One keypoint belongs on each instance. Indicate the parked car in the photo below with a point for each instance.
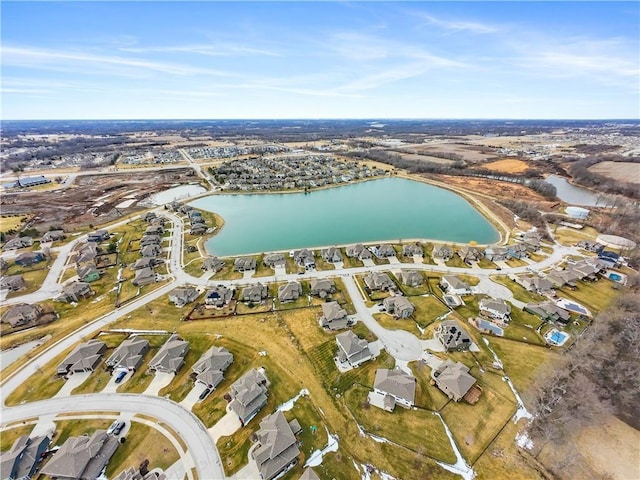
(204, 394)
(119, 427)
(121, 376)
(115, 426)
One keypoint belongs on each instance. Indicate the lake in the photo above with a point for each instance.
(575, 195)
(389, 209)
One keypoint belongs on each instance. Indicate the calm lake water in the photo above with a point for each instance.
(575, 195)
(389, 209)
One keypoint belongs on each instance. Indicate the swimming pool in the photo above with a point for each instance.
(616, 277)
(556, 337)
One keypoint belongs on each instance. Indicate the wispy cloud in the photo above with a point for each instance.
(212, 50)
(457, 25)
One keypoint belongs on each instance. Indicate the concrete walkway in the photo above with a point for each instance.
(160, 380)
(74, 381)
(193, 396)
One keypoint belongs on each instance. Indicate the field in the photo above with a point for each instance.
(507, 166)
(619, 171)
(11, 222)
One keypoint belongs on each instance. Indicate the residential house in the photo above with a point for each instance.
(98, 236)
(331, 255)
(391, 388)
(334, 317)
(21, 461)
(154, 230)
(496, 253)
(322, 287)
(309, 474)
(213, 264)
(147, 217)
(517, 250)
(452, 284)
(145, 276)
(531, 241)
(17, 243)
(181, 296)
(150, 251)
(84, 358)
(86, 253)
(150, 240)
(249, 395)
(398, 306)
(383, 251)
(82, 458)
(453, 379)
(535, 284)
(352, 350)
(29, 259)
(170, 357)
(567, 277)
(209, 369)
(442, 252)
(52, 236)
(244, 264)
(412, 250)
(495, 308)
(411, 278)
(289, 292)
(453, 337)
(13, 283)
(277, 448)
(22, 314)
(218, 296)
(469, 254)
(378, 281)
(146, 262)
(274, 260)
(358, 251)
(304, 258)
(4, 265)
(129, 354)
(88, 273)
(255, 293)
(590, 246)
(74, 292)
(198, 229)
(548, 311)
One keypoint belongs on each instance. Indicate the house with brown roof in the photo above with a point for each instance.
(411, 278)
(443, 252)
(129, 354)
(84, 358)
(378, 281)
(398, 306)
(249, 395)
(453, 337)
(13, 283)
(358, 251)
(412, 250)
(331, 255)
(170, 357)
(391, 388)
(289, 292)
(82, 458)
(209, 369)
(453, 379)
(333, 317)
(352, 351)
(277, 447)
(322, 287)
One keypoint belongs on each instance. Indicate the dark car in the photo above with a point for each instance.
(118, 428)
(120, 376)
(204, 394)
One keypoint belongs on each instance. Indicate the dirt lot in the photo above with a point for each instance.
(493, 188)
(469, 153)
(93, 199)
(620, 171)
(507, 165)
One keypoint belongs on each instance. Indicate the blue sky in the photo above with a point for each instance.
(119, 60)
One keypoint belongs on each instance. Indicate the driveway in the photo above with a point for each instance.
(160, 380)
(193, 396)
(227, 425)
(250, 472)
(74, 381)
(112, 386)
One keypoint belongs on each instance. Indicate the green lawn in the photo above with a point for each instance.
(486, 263)
(387, 321)
(519, 292)
(427, 396)
(349, 262)
(427, 309)
(456, 261)
(227, 272)
(596, 296)
(9, 436)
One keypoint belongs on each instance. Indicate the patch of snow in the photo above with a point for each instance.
(497, 362)
(288, 405)
(523, 441)
(262, 353)
(522, 411)
(380, 439)
(461, 467)
(315, 458)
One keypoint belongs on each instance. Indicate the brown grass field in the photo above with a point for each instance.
(507, 165)
(619, 171)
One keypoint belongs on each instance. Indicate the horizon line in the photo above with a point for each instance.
(311, 119)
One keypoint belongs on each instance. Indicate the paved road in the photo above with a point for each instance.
(200, 446)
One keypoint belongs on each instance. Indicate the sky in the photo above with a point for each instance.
(272, 60)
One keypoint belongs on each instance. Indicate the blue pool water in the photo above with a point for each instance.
(615, 277)
(558, 337)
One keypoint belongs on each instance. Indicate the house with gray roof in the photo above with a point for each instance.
(146, 262)
(170, 357)
(218, 296)
(412, 249)
(154, 230)
(249, 395)
(129, 354)
(452, 284)
(496, 253)
(82, 458)
(517, 250)
(322, 287)
(548, 311)
(331, 255)
(334, 317)
(21, 461)
(277, 448)
(411, 278)
(453, 379)
(150, 240)
(358, 251)
(255, 293)
(52, 236)
(88, 273)
(28, 259)
(198, 229)
(17, 243)
(378, 281)
(182, 296)
(13, 283)
(352, 350)
(74, 292)
(495, 308)
(145, 276)
(209, 369)
(86, 253)
(274, 260)
(150, 251)
(304, 258)
(443, 252)
(4, 265)
(289, 292)
(213, 264)
(398, 306)
(469, 254)
(309, 474)
(244, 264)
(22, 314)
(98, 236)
(535, 284)
(383, 251)
(453, 337)
(84, 358)
(393, 387)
